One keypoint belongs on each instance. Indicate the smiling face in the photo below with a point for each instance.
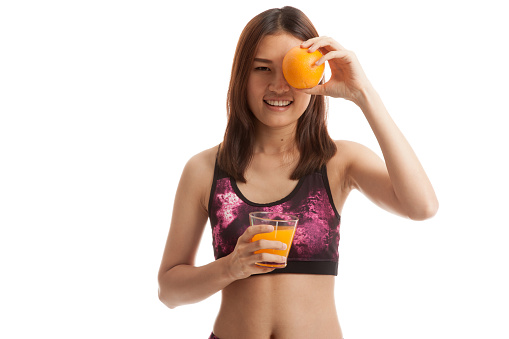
(273, 102)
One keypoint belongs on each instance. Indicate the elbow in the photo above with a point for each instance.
(165, 292)
(166, 300)
(425, 211)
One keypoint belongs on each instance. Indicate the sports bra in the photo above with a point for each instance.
(315, 244)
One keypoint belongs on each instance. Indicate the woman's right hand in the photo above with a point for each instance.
(242, 261)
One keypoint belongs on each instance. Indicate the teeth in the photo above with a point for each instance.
(278, 102)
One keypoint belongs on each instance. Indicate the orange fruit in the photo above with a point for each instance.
(299, 68)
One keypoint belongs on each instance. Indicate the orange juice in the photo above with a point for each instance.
(281, 233)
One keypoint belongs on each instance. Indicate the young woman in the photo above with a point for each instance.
(277, 156)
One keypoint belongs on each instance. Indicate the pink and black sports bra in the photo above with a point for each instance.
(315, 244)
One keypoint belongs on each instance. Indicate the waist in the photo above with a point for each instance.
(278, 305)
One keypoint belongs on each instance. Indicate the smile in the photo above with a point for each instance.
(278, 103)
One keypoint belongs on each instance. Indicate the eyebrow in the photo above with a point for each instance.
(267, 61)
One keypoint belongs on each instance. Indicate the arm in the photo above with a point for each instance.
(180, 282)
(399, 185)
(408, 190)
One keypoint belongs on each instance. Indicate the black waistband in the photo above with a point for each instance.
(309, 267)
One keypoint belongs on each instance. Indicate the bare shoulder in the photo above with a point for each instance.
(349, 155)
(198, 174)
(347, 152)
(349, 146)
(203, 162)
(338, 165)
(350, 152)
(189, 210)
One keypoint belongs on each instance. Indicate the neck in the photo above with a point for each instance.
(278, 147)
(275, 141)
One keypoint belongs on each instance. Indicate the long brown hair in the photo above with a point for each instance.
(313, 141)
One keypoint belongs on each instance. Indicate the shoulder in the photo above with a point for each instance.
(347, 153)
(203, 162)
(198, 174)
(358, 164)
(347, 145)
(348, 156)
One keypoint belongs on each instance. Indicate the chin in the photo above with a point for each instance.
(278, 123)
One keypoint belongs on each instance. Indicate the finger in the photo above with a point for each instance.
(309, 42)
(317, 90)
(264, 244)
(321, 42)
(251, 231)
(268, 257)
(332, 55)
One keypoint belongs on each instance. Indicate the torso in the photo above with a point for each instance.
(274, 306)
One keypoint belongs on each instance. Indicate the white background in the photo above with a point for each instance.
(103, 102)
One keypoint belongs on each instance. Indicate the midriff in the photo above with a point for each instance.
(279, 306)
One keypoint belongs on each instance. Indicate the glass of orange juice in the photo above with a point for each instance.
(284, 229)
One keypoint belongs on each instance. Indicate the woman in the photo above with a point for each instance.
(277, 156)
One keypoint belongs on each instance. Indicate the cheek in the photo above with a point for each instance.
(254, 93)
(302, 101)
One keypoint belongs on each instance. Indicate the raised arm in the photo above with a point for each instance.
(399, 185)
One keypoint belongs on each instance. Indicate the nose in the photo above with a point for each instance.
(278, 83)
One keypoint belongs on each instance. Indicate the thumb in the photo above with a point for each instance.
(317, 90)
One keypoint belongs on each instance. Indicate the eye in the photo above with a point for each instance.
(262, 68)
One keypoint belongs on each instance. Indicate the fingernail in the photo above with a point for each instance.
(284, 246)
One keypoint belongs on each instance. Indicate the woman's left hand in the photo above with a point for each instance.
(347, 80)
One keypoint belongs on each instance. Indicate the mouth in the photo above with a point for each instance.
(278, 103)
